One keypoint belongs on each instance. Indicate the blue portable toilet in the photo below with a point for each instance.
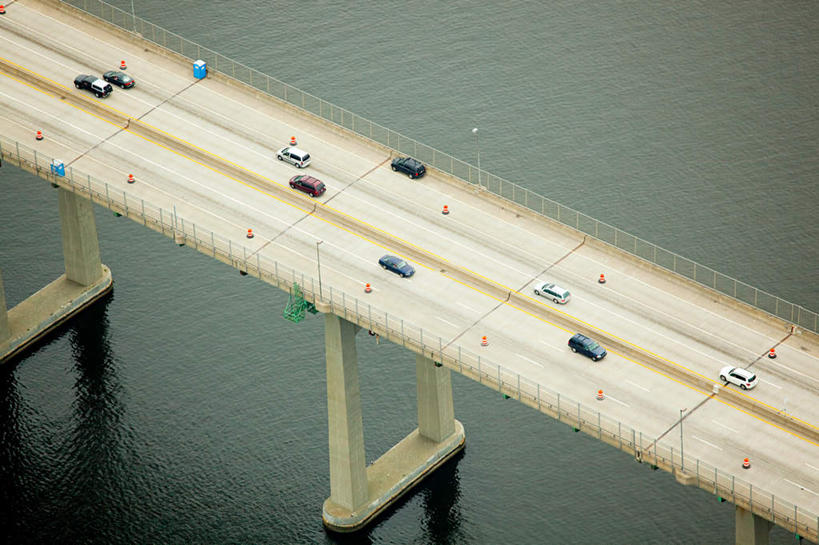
(57, 167)
(200, 69)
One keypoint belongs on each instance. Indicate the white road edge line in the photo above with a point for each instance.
(447, 321)
(772, 384)
(618, 401)
(638, 386)
(720, 424)
(801, 487)
(812, 467)
(529, 360)
(706, 442)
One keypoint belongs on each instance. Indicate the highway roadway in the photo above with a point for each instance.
(476, 267)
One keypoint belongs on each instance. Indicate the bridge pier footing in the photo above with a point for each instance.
(358, 494)
(751, 529)
(85, 280)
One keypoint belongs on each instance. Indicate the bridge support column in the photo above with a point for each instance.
(751, 529)
(85, 280)
(348, 477)
(359, 493)
(81, 250)
(436, 415)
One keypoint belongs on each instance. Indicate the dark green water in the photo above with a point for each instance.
(184, 409)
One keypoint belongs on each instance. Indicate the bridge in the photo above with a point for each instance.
(202, 156)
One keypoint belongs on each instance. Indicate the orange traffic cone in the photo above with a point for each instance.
(122, 65)
(292, 140)
(484, 342)
(445, 211)
(746, 464)
(602, 279)
(250, 233)
(600, 396)
(367, 288)
(772, 353)
(2, 9)
(39, 135)
(131, 179)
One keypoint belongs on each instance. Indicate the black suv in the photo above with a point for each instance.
(93, 84)
(587, 347)
(409, 166)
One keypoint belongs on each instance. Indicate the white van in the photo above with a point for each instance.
(294, 156)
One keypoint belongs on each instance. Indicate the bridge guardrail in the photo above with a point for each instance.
(703, 275)
(507, 382)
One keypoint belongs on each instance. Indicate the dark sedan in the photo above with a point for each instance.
(119, 78)
(397, 265)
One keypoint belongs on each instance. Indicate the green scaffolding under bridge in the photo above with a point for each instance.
(297, 306)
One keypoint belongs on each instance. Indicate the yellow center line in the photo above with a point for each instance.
(403, 241)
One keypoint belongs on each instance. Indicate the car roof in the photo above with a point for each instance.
(744, 372)
(100, 82)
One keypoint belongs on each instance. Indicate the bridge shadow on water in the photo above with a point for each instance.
(63, 479)
(439, 494)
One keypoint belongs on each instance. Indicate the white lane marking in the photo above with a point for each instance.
(706, 442)
(651, 288)
(467, 307)
(529, 360)
(618, 401)
(638, 386)
(801, 487)
(447, 321)
(721, 425)
(771, 384)
(812, 467)
(794, 371)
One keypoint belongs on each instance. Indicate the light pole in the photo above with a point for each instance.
(682, 453)
(478, 151)
(318, 262)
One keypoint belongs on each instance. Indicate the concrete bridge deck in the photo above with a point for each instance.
(216, 167)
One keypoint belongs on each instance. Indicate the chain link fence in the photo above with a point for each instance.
(399, 331)
(771, 304)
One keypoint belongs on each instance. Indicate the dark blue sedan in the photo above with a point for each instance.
(397, 265)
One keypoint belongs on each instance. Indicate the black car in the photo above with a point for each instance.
(119, 78)
(409, 166)
(587, 347)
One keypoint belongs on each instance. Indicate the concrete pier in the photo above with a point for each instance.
(85, 280)
(751, 529)
(359, 493)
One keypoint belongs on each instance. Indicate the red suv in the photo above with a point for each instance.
(312, 186)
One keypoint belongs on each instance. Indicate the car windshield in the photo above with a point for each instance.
(591, 345)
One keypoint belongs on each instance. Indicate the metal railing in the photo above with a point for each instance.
(399, 331)
(705, 276)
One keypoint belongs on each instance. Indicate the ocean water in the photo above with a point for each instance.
(184, 409)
